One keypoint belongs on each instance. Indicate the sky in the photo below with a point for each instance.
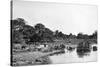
(68, 18)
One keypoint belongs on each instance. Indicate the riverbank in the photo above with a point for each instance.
(38, 56)
(33, 58)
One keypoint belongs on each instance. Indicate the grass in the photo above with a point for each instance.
(35, 57)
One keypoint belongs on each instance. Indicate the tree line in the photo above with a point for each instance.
(24, 33)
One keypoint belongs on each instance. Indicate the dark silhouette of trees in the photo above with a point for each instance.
(82, 36)
(23, 33)
(39, 26)
(85, 36)
(71, 36)
(17, 23)
(43, 32)
(17, 26)
(28, 32)
(94, 35)
(79, 35)
(59, 34)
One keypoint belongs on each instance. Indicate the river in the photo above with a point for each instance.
(72, 57)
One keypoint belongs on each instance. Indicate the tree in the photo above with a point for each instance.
(47, 35)
(95, 35)
(80, 36)
(43, 32)
(28, 32)
(17, 23)
(39, 26)
(16, 27)
(59, 34)
(71, 36)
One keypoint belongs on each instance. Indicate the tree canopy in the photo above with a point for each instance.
(24, 33)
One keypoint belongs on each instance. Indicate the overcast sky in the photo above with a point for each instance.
(68, 18)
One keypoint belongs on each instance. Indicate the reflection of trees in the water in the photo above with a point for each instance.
(83, 49)
(82, 54)
(94, 48)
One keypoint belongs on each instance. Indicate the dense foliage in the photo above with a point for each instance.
(26, 34)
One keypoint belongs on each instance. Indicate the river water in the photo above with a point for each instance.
(72, 57)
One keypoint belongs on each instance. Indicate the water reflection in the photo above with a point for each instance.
(94, 48)
(72, 55)
(83, 52)
(84, 48)
(81, 55)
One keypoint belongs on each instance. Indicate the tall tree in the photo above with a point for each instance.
(16, 27)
